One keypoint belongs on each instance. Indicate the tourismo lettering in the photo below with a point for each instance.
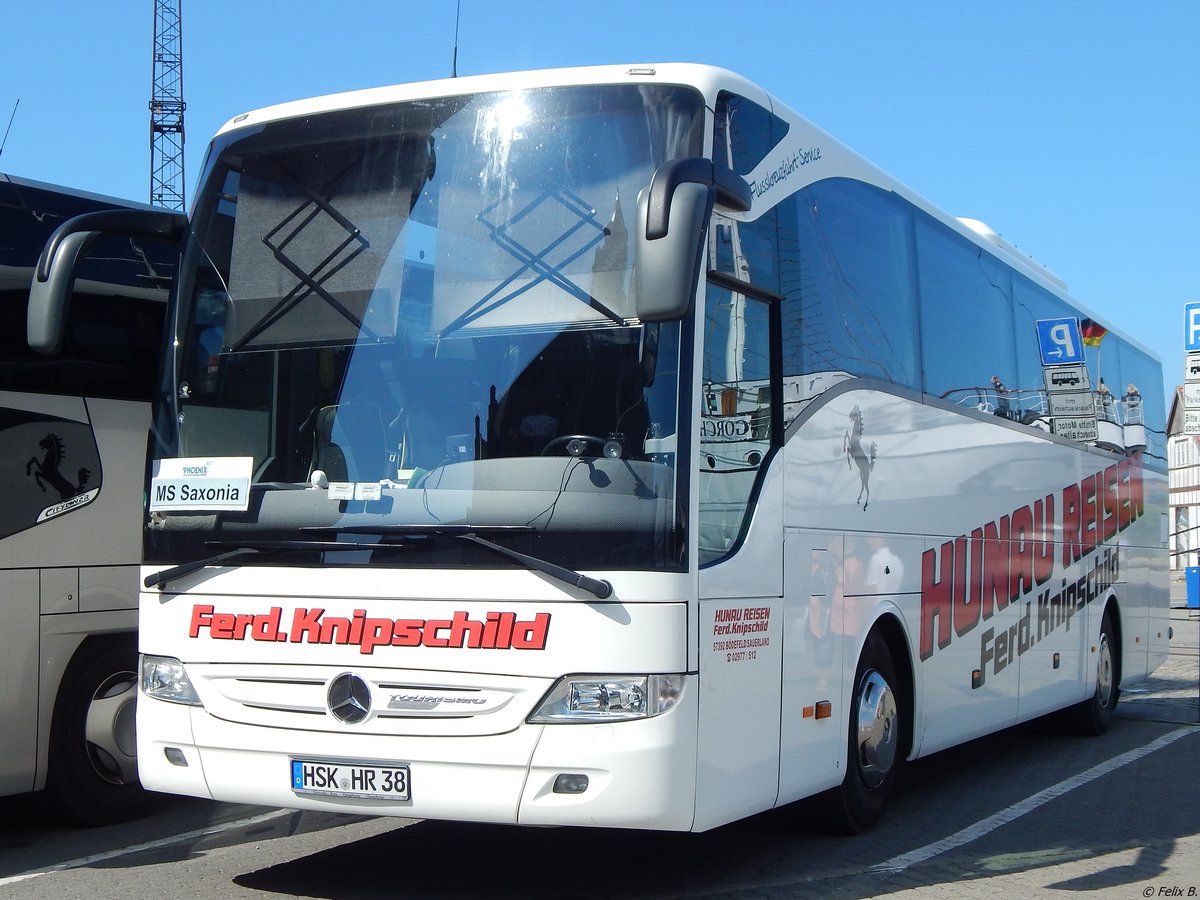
(496, 631)
(970, 578)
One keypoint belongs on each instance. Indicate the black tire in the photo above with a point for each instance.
(875, 743)
(92, 778)
(1093, 715)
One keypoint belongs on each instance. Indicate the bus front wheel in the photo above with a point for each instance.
(92, 772)
(875, 751)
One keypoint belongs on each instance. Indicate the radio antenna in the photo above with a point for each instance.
(9, 128)
(454, 60)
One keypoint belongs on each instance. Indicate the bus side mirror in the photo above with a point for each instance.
(672, 222)
(54, 277)
(52, 284)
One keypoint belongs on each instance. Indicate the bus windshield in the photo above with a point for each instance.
(414, 319)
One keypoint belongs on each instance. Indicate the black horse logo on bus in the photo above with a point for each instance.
(857, 454)
(47, 470)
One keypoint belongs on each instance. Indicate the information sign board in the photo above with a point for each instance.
(1191, 395)
(1192, 369)
(1066, 378)
(1080, 428)
(1077, 403)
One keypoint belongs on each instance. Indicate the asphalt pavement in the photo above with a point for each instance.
(1136, 860)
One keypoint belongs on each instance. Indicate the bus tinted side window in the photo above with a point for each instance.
(738, 403)
(1031, 303)
(114, 342)
(847, 276)
(49, 464)
(736, 410)
(967, 327)
(746, 131)
(111, 348)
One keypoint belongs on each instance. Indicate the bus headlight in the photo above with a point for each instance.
(608, 698)
(164, 678)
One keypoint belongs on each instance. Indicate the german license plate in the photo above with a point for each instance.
(377, 781)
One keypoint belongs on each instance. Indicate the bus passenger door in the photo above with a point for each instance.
(740, 486)
(812, 749)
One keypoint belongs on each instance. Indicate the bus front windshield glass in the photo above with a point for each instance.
(400, 326)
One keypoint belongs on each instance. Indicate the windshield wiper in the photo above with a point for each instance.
(249, 548)
(597, 588)
(406, 533)
(160, 579)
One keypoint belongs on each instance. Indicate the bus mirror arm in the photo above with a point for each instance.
(731, 191)
(50, 290)
(672, 222)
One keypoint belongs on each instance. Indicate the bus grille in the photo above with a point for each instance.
(298, 697)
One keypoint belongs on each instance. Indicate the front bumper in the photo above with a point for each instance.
(641, 774)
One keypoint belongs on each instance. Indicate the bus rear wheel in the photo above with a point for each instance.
(875, 750)
(92, 773)
(1093, 715)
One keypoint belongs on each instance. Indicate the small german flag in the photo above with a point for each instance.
(1093, 332)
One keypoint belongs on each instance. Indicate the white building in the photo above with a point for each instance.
(1183, 456)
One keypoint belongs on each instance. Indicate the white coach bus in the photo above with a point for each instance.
(612, 447)
(73, 447)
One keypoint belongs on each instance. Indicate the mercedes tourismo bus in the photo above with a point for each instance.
(73, 445)
(612, 447)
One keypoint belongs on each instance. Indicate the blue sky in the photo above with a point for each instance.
(1070, 127)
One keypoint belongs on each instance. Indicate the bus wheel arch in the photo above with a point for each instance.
(879, 730)
(902, 659)
(92, 773)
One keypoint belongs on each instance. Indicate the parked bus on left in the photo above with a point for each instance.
(73, 431)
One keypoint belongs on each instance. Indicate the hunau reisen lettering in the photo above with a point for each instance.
(497, 630)
(742, 621)
(968, 579)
